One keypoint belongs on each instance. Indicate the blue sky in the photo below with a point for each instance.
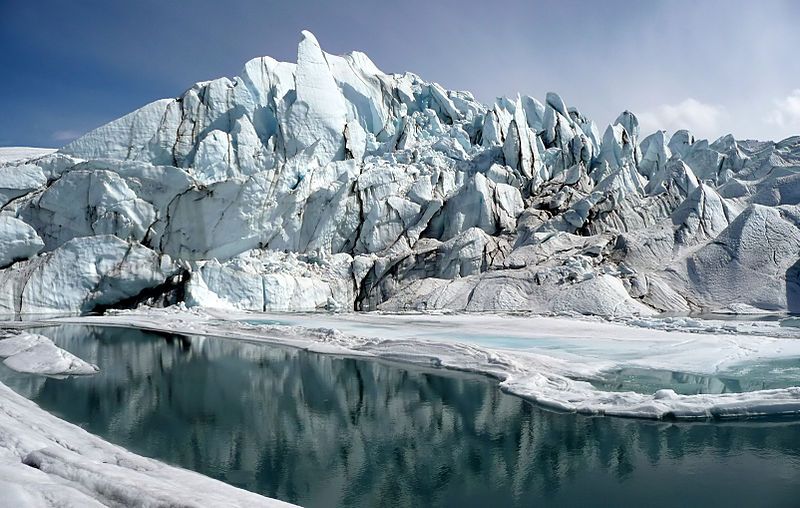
(711, 66)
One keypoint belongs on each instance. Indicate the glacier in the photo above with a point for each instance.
(329, 184)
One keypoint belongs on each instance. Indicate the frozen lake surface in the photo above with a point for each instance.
(322, 430)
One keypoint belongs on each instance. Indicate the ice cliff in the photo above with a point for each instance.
(330, 184)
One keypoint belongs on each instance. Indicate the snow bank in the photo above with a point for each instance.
(46, 462)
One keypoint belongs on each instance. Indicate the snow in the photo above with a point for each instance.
(17, 153)
(36, 354)
(543, 359)
(46, 462)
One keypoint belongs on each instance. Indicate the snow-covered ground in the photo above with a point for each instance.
(16, 153)
(543, 359)
(47, 462)
(701, 346)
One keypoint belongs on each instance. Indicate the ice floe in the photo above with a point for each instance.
(36, 354)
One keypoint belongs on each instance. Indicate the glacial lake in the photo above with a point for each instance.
(321, 430)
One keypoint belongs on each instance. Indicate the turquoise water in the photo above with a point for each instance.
(325, 431)
(751, 377)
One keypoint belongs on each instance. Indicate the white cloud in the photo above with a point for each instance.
(703, 120)
(66, 135)
(786, 113)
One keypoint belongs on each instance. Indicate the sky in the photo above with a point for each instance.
(713, 67)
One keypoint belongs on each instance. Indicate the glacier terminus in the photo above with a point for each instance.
(280, 245)
(327, 184)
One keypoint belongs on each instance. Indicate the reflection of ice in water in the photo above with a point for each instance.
(265, 322)
(791, 322)
(651, 380)
(328, 431)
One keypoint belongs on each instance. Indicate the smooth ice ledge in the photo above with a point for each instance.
(17, 153)
(36, 354)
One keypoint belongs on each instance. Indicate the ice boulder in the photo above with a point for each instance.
(37, 354)
(261, 281)
(82, 275)
(19, 179)
(87, 202)
(483, 203)
(18, 241)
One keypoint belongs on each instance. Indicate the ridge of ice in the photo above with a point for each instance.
(331, 158)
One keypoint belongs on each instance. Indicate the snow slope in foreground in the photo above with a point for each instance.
(47, 462)
(545, 373)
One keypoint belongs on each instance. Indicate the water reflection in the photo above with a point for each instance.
(325, 431)
(747, 378)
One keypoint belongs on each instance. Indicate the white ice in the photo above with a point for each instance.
(47, 462)
(36, 354)
(16, 153)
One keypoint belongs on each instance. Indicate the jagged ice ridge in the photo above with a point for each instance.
(330, 184)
